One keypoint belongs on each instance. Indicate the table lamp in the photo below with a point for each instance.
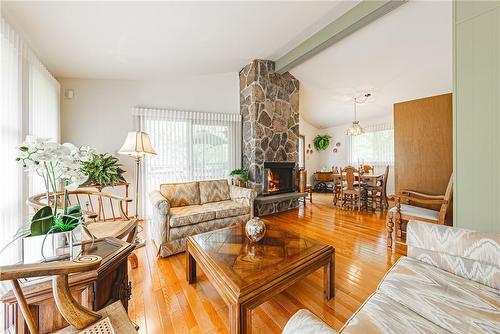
(137, 144)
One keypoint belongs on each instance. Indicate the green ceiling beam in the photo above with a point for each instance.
(365, 12)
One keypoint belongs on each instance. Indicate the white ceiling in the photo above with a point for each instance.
(405, 55)
(137, 40)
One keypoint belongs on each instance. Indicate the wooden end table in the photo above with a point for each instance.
(247, 274)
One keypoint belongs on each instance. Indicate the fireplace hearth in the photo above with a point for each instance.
(278, 178)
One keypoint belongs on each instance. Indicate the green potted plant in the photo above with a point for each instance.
(321, 142)
(240, 177)
(103, 170)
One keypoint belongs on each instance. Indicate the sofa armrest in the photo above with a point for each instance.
(239, 192)
(304, 322)
(469, 254)
(159, 202)
(243, 195)
(160, 227)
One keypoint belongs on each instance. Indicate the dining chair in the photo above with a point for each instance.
(351, 192)
(337, 188)
(112, 319)
(406, 209)
(105, 214)
(377, 193)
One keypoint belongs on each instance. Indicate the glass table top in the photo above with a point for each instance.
(245, 262)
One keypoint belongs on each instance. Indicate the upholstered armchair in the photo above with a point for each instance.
(184, 209)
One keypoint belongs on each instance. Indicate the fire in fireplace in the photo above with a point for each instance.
(279, 177)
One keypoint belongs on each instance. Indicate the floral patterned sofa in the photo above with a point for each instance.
(184, 209)
(449, 283)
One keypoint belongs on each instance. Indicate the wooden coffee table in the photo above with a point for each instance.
(246, 274)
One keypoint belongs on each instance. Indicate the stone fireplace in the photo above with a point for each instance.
(278, 178)
(269, 105)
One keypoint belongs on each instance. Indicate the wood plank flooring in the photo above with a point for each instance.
(163, 302)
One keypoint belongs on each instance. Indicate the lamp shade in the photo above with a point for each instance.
(137, 144)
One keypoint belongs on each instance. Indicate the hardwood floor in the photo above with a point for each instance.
(163, 302)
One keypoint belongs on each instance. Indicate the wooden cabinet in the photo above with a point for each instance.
(94, 290)
(423, 144)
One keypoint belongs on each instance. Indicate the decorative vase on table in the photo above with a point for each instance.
(255, 229)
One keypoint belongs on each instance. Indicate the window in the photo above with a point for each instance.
(374, 147)
(302, 151)
(29, 99)
(190, 146)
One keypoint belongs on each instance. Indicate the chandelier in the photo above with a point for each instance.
(356, 129)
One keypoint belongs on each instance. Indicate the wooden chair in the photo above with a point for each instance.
(351, 193)
(304, 187)
(378, 193)
(105, 214)
(81, 320)
(337, 188)
(405, 210)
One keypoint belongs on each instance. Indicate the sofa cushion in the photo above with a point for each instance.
(214, 191)
(381, 314)
(229, 208)
(189, 215)
(305, 322)
(181, 194)
(469, 254)
(416, 211)
(449, 301)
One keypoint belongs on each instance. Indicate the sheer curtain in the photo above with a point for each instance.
(375, 146)
(11, 135)
(30, 105)
(43, 111)
(189, 145)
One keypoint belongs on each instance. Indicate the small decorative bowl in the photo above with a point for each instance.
(255, 229)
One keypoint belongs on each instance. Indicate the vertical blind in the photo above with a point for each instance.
(375, 146)
(30, 105)
(189, 145)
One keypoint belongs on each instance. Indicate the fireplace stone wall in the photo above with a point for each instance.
(269, 105)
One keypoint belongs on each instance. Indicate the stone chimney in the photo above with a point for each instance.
(269, 105)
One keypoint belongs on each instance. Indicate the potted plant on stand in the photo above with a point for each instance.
(57, 164)
(240, 177)
(103, 170)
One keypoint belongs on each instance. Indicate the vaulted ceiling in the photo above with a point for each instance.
(143, 39)
(404, 55)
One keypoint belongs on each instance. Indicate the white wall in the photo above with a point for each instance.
(100, 115)
(311, 160)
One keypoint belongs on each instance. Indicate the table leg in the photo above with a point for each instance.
(329, 278)
(190, 268)
(240, 319)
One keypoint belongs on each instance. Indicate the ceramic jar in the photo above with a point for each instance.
(255, 229)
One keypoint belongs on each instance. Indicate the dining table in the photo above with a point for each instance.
(367, 180)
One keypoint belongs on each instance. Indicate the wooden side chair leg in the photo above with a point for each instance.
(23, 305)
(390, 225)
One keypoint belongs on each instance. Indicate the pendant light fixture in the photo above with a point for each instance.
(356, 129)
